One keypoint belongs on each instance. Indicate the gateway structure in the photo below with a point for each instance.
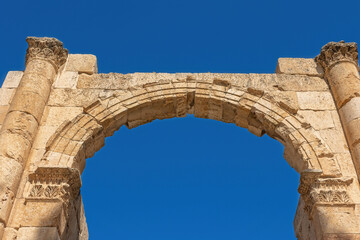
(58, 112)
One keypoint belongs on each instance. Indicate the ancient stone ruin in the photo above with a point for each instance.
(58, 112)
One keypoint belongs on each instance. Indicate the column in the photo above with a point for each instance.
(340, 62)
(43, 59)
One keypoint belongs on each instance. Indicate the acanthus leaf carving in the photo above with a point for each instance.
(52, 191)
(49, 49)
(54, 183)
(335, 52)
(36, 191)
(315, 190)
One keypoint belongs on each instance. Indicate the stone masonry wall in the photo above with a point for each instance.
(295, 106)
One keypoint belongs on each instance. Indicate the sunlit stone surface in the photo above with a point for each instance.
(59, 111)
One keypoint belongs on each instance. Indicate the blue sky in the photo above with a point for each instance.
(184, 178)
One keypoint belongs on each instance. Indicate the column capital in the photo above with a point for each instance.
(48, 49)
(336, 52)
(317, 191)
(53, 180)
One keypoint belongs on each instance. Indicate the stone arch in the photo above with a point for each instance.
(254, 109)
(40, 184)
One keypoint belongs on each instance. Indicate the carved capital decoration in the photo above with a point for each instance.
(48, 49)
(53, 184)
(335, 52)
(323, 191)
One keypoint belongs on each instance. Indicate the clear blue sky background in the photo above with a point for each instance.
(189, 178)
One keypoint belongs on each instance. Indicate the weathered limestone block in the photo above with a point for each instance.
(301, 83)
(319, 119)
(76, 227)
(12, 79)
(100, 113)
(48, 233)
(299, 66)
(10, 234)
(83, 229)
(246, 104)
(327, 218)
(303, 227)
(43, 136)
(73, 97)
(287, 100)
(3, 111)
(67, 80)
(346, 164)
(265, 82)
(334, 138)
(6, 95)
(34, 158)
(55, 116)
(104, 81)
(81, 63)
(36, 213)
(315, 101)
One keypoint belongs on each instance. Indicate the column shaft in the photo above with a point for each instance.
(340, 62)
(44, 56)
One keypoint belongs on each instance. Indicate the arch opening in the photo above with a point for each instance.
(212, 189)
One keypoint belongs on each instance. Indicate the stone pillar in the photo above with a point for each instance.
(327, 210)
(340, 62)
(43, 59)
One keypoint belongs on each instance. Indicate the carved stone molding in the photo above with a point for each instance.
(335, 52)
(49, 49)
(323, 191)
(53, 183)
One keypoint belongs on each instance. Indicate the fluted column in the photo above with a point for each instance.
(43, 59)
(340, 62)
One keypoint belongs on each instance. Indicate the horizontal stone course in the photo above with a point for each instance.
(12, 79)
(299, 66)
(315, 101)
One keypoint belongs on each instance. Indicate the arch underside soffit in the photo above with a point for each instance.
(262, 103)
